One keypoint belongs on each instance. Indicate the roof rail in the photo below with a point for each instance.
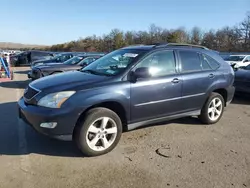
(180, 44)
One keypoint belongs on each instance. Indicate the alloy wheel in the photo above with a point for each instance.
(215, 109)
(101, 134)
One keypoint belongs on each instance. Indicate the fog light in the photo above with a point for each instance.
(49, 125)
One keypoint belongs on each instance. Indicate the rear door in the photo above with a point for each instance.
(197, 76)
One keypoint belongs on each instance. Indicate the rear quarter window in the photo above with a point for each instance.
(212, 62)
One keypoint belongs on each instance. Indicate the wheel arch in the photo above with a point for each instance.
(223, 93)
(115, 106)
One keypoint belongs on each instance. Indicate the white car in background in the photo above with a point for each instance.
(238, 60)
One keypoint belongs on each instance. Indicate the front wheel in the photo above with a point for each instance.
(99, 132)
(213, 109)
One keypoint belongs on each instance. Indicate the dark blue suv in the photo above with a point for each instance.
(126, 89)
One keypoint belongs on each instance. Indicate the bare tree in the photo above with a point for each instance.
(244, 32)
(196, 35)
(225, 39)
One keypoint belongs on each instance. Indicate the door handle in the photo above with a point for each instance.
(175, 80)
(211, 75)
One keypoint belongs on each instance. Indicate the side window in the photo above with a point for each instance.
(190, 61)
(205, 63)
(248, 58)
(213, 64)
(87, 61)
(159, 63)
(65, 57)
(39, 54)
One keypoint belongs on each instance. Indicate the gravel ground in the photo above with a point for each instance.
(179, 153)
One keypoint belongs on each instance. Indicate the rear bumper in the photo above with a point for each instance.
(230, 94)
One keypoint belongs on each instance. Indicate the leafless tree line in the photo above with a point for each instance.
(227, 39)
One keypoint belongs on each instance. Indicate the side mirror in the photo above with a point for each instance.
(142, 72)
(245, 61)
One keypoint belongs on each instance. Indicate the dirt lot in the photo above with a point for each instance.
(180, 153)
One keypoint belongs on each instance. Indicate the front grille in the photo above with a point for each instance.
(30, 92)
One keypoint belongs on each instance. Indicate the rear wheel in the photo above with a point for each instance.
(213, 109)
(99, 132)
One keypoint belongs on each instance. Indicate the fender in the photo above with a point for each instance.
(90, 97)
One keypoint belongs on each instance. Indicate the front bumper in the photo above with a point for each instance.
(65, 118)
(29, 75)
(34, 75)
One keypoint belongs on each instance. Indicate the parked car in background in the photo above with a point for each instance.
(126, 89)
(59, 58)
(238, 60)
(242, 79)
(25, 58)
(75, 63)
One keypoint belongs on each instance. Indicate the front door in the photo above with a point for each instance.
(160, 94)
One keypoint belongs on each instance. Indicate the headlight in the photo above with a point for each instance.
(55, 100)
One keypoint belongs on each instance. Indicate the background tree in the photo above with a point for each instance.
(196, 36)
(226, 39)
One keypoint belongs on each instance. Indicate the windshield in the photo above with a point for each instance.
(61, 57)
(87, 60)
(73, 60)
(235, 58)
(115, 62)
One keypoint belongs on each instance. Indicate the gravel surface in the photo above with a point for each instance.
(180, 153)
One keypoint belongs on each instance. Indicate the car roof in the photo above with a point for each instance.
(140, 47)
(88, 55)
(178, 46)
(240, 55)
(71, 53)
(82, 53)
(166, 45)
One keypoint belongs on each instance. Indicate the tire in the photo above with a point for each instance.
(210, 108)
(89, 136)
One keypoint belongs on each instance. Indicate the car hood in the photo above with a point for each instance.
(44, 61)
(67, 81)
(48, 65)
